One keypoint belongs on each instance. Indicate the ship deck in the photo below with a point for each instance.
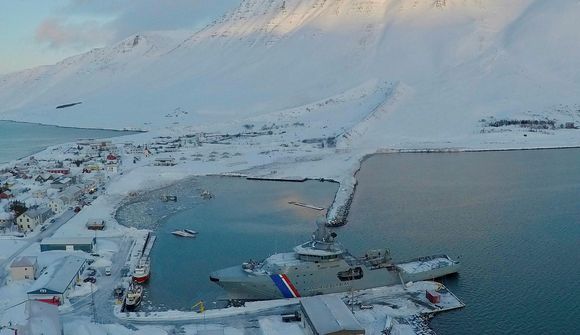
(424, 264)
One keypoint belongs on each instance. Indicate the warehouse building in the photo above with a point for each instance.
(328, 315)
(54, 283)
(86, 244)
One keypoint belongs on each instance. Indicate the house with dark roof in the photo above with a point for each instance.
(32, 218)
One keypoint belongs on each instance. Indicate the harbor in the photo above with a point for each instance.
(392, 309)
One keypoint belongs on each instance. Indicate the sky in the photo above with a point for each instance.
(43, 32)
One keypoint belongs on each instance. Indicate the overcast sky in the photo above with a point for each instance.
(38, 32)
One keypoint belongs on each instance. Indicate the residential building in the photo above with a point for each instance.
(59, 170)
(67, 198)
(6, 219)
(32, 218)
(165, 162)
(62, 183)
(24, 267)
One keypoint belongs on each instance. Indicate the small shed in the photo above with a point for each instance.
(54, 284)
(96, 224)
(23, 267)
(328, 315)
(86, 244)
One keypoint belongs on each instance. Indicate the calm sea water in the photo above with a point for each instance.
(512, 218)
(246, 220)
(18, 139)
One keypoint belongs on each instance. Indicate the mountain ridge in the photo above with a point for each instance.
(463, 60)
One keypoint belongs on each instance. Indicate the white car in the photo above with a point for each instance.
(108, 271)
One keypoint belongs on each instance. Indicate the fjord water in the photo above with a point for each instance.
(245, 220)
(512, 218)
(19, 139)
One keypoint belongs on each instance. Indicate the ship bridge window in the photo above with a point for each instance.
(350, 274)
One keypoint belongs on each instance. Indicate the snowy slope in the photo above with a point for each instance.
(446, 63)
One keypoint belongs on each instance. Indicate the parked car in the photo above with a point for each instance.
(52, 220)
(42, 228)
(91, 271)
(90, 280)
(108, 271)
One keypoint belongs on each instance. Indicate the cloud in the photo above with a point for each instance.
(58, 33)
(89, 23)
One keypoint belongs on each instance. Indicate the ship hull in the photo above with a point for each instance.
(315, 280)
(141, 279)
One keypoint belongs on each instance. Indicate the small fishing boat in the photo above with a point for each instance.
(193, 232)
(133, 298)
(142, 271)
(182, 233)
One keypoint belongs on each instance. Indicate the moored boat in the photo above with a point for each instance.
(193, 232)
(323, 266)
(133, 297)
(142, 271)
(182, 233)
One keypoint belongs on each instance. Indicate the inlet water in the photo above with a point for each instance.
(245, 220)
(19, 139)
(512, 219)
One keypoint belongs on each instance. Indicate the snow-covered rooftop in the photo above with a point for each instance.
(59, 275)
(23, 261)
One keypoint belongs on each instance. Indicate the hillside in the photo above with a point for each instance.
(421, 71)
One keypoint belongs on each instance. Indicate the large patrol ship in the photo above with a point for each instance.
(323, 266)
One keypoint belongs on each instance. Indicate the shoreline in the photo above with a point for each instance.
(69, 127)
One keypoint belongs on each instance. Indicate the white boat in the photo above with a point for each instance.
(193, 232)
(142, 271)
(182, 233)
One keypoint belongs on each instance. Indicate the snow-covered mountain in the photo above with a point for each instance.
(420, 70)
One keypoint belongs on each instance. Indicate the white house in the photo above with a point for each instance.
(65, 199)
(32, 218)
(39, 194)
(6, 219)
(23, 267)
(112, 167)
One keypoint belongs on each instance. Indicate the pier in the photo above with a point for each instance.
(395, 307)
(301, 204)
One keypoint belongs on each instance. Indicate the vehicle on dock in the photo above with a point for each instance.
(133, 297)
(142, 271)
(323, 266)
(182, 233)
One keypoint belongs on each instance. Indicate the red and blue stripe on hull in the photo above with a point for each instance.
(285, 286)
